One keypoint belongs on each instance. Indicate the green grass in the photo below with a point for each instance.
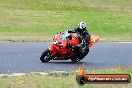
(39, 20)
(35, 80)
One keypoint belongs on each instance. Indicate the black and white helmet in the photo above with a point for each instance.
(81, 27)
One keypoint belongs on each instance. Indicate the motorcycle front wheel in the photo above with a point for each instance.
(45, 57)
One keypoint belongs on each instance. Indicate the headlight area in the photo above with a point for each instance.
(56, 42)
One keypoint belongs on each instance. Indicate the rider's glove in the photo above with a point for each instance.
(69, 30)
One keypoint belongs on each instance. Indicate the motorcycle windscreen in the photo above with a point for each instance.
(64, 36)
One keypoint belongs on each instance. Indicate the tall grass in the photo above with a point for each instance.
(111, 18)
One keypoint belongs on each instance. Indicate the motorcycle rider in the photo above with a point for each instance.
(84, 37)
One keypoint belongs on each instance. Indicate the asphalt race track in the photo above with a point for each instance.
(21, 57)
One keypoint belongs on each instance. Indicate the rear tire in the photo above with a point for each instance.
(75, 59)
(45, 57)
(80, 56)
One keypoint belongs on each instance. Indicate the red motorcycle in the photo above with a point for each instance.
(59, 51)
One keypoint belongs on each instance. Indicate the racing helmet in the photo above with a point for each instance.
(81, 27)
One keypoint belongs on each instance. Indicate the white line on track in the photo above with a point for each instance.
(41, 73)
(122, 42)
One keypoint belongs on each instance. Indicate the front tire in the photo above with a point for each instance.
(45, 57)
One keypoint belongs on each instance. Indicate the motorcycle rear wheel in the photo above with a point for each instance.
(75, 59)
(45, 57)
